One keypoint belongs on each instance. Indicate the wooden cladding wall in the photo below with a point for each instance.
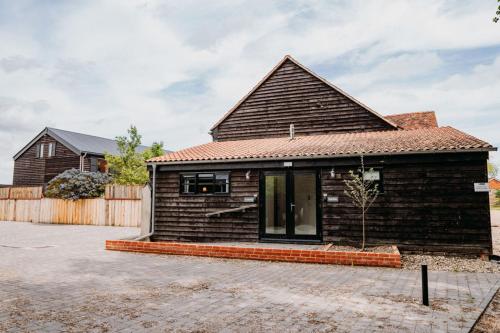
(30, 170)
(56, 165)
(182, 217)
(428, 204)
(292, 95)
(425, 207)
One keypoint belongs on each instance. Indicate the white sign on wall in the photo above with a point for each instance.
(332, 199)
(372, 175)
(481, 187)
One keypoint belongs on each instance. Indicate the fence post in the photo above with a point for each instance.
(425, 286)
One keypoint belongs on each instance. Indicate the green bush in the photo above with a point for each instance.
(75, 184)
(129, 166)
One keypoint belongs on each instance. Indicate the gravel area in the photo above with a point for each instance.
(375, 249)
(448, 264)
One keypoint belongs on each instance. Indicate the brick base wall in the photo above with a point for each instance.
(270, 254)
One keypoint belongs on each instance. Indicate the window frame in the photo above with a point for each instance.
(37, 150)
(51, 152)
(214, 183)
(41, 151)
(94, 164)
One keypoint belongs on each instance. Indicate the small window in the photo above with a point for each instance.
(375, 175)
(93, 164)
(40, 154)
(205, 183)
(222, 183)
(37, 151)
(188, 183)
(52, 149)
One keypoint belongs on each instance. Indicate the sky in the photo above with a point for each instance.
(173, 68)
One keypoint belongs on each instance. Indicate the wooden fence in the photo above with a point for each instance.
(126, 206)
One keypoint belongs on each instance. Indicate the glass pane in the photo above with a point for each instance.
(221, 183)
(305, 204)
(275, 206)
(224, 177)
(221, 188)
(188, 183)
(206, 183)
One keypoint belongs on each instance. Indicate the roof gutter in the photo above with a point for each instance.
(82, 161)
(315, 157)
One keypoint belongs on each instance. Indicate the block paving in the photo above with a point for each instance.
(60, 278)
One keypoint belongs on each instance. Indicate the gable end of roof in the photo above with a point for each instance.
(45, 131)
(329, 84)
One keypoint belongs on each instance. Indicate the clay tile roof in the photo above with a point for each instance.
(494, 184)
(414, 120)
(442, 139)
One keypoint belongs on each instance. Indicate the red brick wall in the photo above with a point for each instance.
(270, 254)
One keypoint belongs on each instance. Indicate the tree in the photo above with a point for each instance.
(75, 184)
(362, 192)
(492, 170)
(497, 14)
(129, 166)
(155, 150)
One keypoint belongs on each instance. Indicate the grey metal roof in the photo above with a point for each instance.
(79, 143)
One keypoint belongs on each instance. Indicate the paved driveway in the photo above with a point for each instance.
(59, 278)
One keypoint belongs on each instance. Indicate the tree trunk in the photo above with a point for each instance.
(363, 225)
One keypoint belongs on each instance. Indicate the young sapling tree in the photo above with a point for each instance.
(362, 191)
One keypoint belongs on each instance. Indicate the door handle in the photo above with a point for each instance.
(292, 206)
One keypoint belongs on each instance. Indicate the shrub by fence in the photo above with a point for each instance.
(122, 205)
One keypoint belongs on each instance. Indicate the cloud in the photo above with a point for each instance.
(173, 68)
(459, 97)
(15, 63)
(467, 100)
(395, 69)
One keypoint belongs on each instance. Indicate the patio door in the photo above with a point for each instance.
(289, 202)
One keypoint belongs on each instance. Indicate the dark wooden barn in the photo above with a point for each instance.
(262, 179)
(54, 150)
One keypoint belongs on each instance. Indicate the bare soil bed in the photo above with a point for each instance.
(375, 249)
(448, 264)
(490, 320)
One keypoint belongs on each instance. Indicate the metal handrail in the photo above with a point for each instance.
(232, 210)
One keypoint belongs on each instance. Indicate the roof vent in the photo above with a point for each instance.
(292, 131)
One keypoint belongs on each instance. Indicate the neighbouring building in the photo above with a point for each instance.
(275, 172)
(54, 150)
(494, 186)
